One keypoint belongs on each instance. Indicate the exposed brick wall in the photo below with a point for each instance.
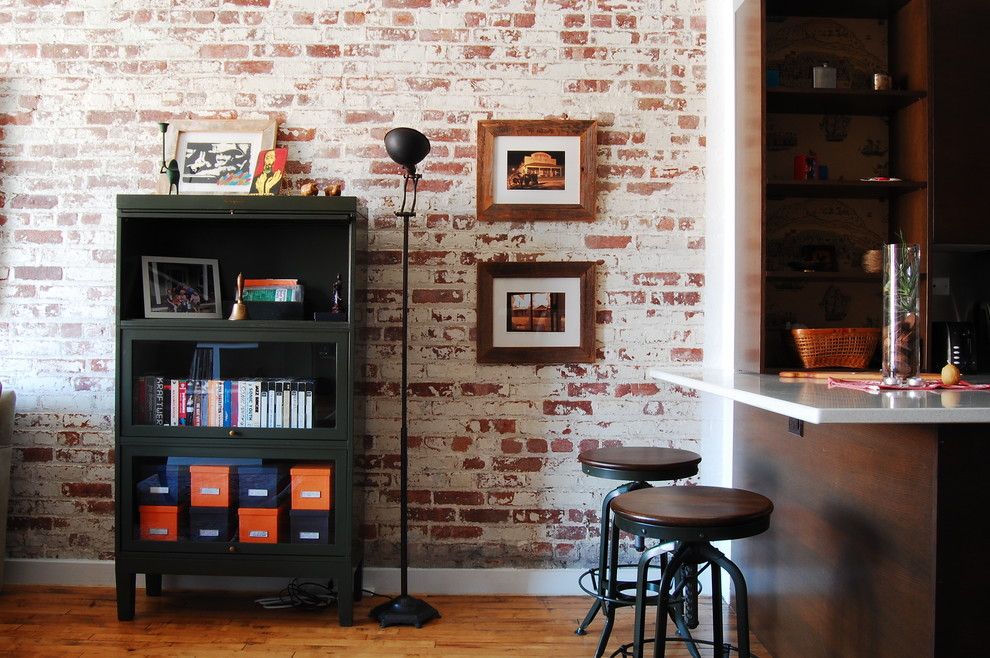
(495, 479)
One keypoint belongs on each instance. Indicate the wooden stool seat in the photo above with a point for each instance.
(680, 507)
(640, 463)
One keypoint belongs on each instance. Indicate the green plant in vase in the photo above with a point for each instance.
(901, 314)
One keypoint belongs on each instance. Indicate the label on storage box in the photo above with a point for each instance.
(210, 491)
(157, 531)
(258, 492)
(260, 534)
(309, 535)
(209, 532)
(158, 490)
(309, 494)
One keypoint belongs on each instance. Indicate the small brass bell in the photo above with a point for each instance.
(240, 309)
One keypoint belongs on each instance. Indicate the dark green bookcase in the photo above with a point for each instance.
(307, 238)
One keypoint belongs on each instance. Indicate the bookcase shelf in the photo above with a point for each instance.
(839, 189)
(784, 100)
(238, 400)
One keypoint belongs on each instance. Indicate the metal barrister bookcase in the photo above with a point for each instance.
(213, 415)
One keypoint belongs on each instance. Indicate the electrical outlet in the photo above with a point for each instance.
(940, 285)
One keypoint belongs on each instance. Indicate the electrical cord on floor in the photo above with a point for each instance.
(305, 595)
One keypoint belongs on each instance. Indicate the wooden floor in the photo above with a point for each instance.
(82, 621)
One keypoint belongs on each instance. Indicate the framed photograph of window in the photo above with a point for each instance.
(216, 157)
(181, 287)
(536, 312)
(536, 170)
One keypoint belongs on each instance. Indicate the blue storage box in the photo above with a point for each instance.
(166, 485)
(211, 523)
(262, 486)
(310, 526)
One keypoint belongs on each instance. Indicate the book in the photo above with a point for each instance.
(274, 294)
(256, 283)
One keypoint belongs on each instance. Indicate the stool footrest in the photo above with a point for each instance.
(626, 650)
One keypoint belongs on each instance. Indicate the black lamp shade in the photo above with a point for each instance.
(407, 147)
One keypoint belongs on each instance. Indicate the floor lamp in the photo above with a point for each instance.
(406, 147)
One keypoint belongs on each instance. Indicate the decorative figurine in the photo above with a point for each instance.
(309, 189)
(240, 310)
(337, 304)
(332, 190)
(172, 168)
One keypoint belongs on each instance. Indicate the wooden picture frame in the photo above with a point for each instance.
(536, 170)
(536, 312)
(216, 156)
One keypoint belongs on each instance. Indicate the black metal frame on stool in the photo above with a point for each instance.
(693, 547)
(407, 147)
(606, 589)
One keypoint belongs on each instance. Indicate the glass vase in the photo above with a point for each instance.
(901, 317)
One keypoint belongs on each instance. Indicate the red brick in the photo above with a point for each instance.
(87, 490)
(248, 67)
(520, 465)
(607, 241)
(622, 390)
(484, 515)
(322, 50)
(458, 497)
(566, 408)
(38, 273)
(455, 532)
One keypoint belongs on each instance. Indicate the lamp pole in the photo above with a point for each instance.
(407, 147)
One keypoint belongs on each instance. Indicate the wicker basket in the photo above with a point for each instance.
(836, 348)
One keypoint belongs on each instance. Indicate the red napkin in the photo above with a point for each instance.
(866, 385)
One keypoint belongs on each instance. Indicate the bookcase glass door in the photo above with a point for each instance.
(232, 385)
(232, 504)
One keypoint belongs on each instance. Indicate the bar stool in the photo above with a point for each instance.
(638, 466)
(693, 517)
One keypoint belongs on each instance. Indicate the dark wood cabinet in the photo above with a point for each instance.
(960, 122)
(260, 447)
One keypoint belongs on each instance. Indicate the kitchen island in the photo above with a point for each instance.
(876, 543)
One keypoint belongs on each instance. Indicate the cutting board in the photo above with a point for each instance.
(839, 374)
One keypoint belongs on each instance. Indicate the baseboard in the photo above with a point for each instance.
(100, 573)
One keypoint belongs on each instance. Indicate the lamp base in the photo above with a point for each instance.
(404, 611)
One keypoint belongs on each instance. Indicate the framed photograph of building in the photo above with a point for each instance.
(216, 157)
(180, 287)
(536, 312)
(536, 170)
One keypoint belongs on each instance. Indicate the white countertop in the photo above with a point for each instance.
(813, 402)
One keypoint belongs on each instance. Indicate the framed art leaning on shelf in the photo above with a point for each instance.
(216, 157)
(180, 287)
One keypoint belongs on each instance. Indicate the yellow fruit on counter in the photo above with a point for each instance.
(950, 375)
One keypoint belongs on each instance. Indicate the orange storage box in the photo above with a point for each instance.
(312, 486)
(159, 522)
(261, 525)
(210, 485)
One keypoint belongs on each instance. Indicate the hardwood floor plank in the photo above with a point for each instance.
(79, 621)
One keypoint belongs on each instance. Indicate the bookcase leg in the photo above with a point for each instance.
(153, 584)
(345, 598)
(359, 582)
(125, 595)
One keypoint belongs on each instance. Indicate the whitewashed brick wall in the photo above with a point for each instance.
(495, 479)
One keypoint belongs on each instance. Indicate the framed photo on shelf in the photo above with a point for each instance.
(181, 287)
(536, 312)
(216, 156)
(536, 170)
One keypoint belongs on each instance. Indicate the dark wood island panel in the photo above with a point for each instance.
(874, 548)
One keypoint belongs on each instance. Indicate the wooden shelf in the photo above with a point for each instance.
(784, 100)
(839, 189)
(835, 8)
(849, 277)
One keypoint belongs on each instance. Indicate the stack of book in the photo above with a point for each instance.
(272, 290)
(264, 403)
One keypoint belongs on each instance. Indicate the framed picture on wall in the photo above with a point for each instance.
(536, 312)
(180, 287)
(216, 157)
(536, 170)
